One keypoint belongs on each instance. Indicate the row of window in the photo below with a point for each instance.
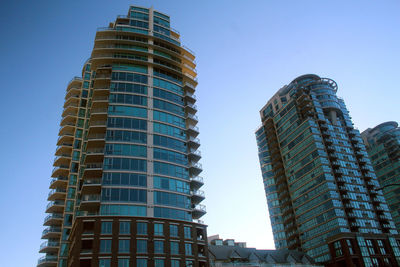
(124, 262)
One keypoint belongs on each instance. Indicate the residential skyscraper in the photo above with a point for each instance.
(383, 147)
(322, 192)
(125, 188)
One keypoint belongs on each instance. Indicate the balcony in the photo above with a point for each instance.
(70, 109)
(100, 101)
(51, 232)
(190, 108)
(60, 181)
(56, 206)
(195, 168)
(198, 211)
(49, 246)
(94, 155)
(193, 119)
(53, 219)
(197, 196)
(68, 118)
(91, 186)
(96, 140)
(47, 261)
(193, 142)
(63, 159)
(57, 193)
(89, 202)
(98, 112)
(192, 130)
(65, 138)
(194, 155)
(62, 170)
(190, 97)
(64, 149)
(196, 182)
(72, 101)
(189, 87)
(93, 170)
(67, 128)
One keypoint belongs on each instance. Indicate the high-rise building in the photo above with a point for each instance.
(383, 147)
(322, 192)
(125, 188)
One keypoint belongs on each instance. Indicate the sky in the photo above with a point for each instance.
(245, 51)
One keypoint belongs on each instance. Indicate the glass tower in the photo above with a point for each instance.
(125, 188)
(322, 192)
(383, 147)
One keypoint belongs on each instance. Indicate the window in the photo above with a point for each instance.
(370, 246)
(106, 227)
(173, 230)
(158, 229)
(174, 263)
(159, 263)
(141, 246)
(381, 247)
(123, 246)
(141, 228)
(187, 232)
(104, 262)
(338, 248)
(123, 262)
(174, 248)
(350, 246)
(158, 246)
(141, 262)
(188, 249)
(124, 227)
(189, 264)
(105, 245)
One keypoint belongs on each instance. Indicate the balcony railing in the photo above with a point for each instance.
(49, 244)
(199, 193)
(200, 207)
(55, 203)
(198, 179)
(90, 198)
(51, 229)
(94, 166)
(93, 181)
(53, 216)
(47, 258)
(195, 165)
(57, 190)
(60, 178)
(98, 123)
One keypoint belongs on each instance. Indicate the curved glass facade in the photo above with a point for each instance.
(128, 143)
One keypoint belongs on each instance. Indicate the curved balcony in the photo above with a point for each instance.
(70, 109)
(48, 261)
(100, 101)
(195, 169)
(193, 142)
(93, 170)
(63, 149)
(56, 206)
(196, 182)
(53, 219)
(63, 159)
(57, 193)
(198, 211)
(94, 155)
(66, 138)
(192, 130)
(95, 141)
(51, 232)
(60, 182)
(49, 246)
(189, 87)
(90, 202)
(91, 186)
(190, 108)
(97, 127)
(72, 101)
(194, 155)
(69, 118)
(67, 128)
(192, 119)
(197, 196)
(72, 91)
(62, 170)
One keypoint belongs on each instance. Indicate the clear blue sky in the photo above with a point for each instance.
(246, 51)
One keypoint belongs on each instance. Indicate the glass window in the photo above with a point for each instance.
(124, 227)
(158, 246)
(189, 264)
(123, 262)
(123, 246)
(174, 248)
(141, 246)
(188, 232)
(141, 262)
(188, 249)
(159, 263)
(104, 262)
(158, 229)
(141, 228)
(174, 263)
(173, 230)
(105, 245)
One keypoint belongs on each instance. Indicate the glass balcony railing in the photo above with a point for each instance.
(192, 116)
(193, 128)
(57, 190)
(195, 165)
(200, 207)
(55, 203)
(53, 216)
(46, 244)
(64, 167)
(94, 166)
(51, 229)
(198, 193)
(47, 258)
(197, 179)
(90, 198)
(57, 179)
(94, 181)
